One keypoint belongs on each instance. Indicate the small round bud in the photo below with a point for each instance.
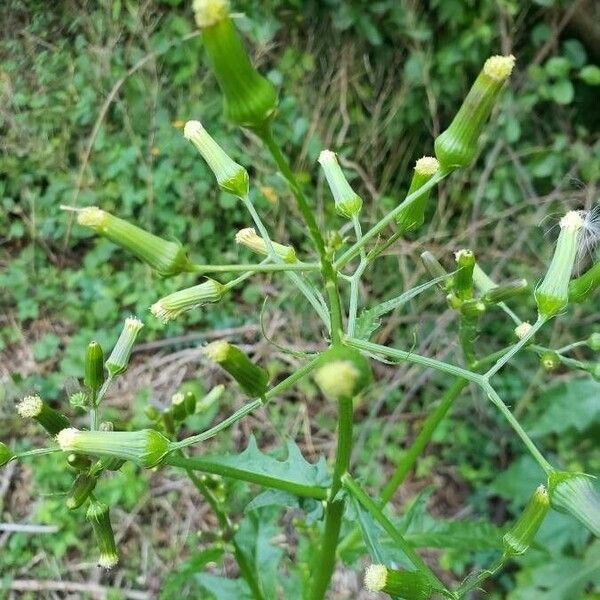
(550, 361)
(593, 342)
(343, 372)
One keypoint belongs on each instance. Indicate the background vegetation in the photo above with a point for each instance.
(93, 98)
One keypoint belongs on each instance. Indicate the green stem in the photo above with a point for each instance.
(415, 358)
(246, 570)
(255, 268)
(572, 346)
(376, 512)
(385, 221)
(473, 583)
(206, 465)
(325, 558)
(327, 270)
(35, 452)
(355, 280)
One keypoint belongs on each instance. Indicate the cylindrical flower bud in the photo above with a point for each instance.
(190, 403)
(482, 281)
(463, 279)
(593, 342)
(171, 306)
(520, 536)
(582, 287)
(6, 454)
(434, 268)
(231, 177)
(178, 406)
(250, 377)
(145, 447)
(94, 366)
(119, 358)
(347, 202)
(523, 329)
(552, 295)
(33, 407)
(576, 494)
(249, 238)
(550, 361)
(472, 309)
(249, 99)
(81, 489)
(343, 372)
(98, 516)
(410, 585)
(207, 401)
(412, 216)
(457, 146)
(506, 291)
(166, 258)
(78, 462)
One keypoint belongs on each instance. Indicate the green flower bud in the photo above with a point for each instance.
(506, 291)
(457, 146)
(81, 489)
(347, 202)
(98, 516)
(173, 305)
(118, 360)
(576, 494)
(178, 406)
(78, 462)
(463, 279)
(166, 258)
(249, 99)
(33, 407)
(145, 447)
(207, 401)
(343, 372)
(552, 295)
(250, 377)
(6, 454)
(550, 361)
(412, 216)
(472, 309)
(231, 177)
(94, 366)
(582, 287)
(248, 237)
(410, 585)
(593, 342)
(434, 268)
(520, 536)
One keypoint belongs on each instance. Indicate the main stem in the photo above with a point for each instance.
(325, 558)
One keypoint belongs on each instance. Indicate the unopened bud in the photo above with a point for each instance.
(520, 536)
(506, 291)
(550, 361)
(81, 489)
(582, 287)
(410, 585)
(552, 295)
(6, 454)
(178, 406)
(118, 360)
(250, 377)
(593, 342)
(412, 216)
(249, 238)
(78, 462)
(173, 305)
(249, 99)
(343, 372)
(231, 177)
(457, 146)
(347, 202)
(98, 515)
(166, 258)
(434, 268)
(145, 447)
(463, 279)
(33, 407)
(94, 367)
(575, 493)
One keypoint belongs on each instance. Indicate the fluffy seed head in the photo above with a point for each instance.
(92, 217)
(523, 329)
(210, 12)
(30, 406)
(375, 577)
(499, 67)
(427, 165)
(573, 220)
(338, 378)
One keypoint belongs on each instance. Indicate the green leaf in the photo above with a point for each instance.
(187, 571)
(566, 406)
(468, 536)
(517, 482)
(562, 91)
(312, 507)
(222, 588)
